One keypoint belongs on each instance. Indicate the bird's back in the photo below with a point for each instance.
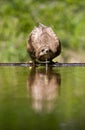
(41, 38)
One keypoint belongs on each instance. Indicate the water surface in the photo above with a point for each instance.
(39, 98)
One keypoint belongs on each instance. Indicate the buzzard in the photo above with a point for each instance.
(43, 44)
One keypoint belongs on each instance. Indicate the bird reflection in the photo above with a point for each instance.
(43, 87)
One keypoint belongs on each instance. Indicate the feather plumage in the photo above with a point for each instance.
(43, 44)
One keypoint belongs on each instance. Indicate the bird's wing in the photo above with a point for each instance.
(53, 39)
(29, 46)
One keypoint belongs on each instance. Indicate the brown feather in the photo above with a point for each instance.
(43, 44)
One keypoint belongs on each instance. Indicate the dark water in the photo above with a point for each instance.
(40, 99)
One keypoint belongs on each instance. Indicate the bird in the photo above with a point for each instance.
(43, 45)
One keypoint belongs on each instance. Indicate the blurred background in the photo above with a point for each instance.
(18, 18)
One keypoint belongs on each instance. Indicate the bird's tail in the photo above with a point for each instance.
(42, 25)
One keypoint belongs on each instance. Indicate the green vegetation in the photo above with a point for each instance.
(18, 18)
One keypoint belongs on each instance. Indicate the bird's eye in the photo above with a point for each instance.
(42, 50)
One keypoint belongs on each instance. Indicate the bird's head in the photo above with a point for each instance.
(44, 54)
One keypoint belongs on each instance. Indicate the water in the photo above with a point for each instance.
(42, 99)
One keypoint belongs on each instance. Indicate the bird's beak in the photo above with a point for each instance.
(44, 52)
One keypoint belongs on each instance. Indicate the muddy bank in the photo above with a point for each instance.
(70, 56)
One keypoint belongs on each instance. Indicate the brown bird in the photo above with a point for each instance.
(43, 44)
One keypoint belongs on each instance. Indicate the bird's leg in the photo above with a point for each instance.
(52, 62)
(36, 62)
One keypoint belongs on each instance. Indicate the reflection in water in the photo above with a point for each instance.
(43, 87)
